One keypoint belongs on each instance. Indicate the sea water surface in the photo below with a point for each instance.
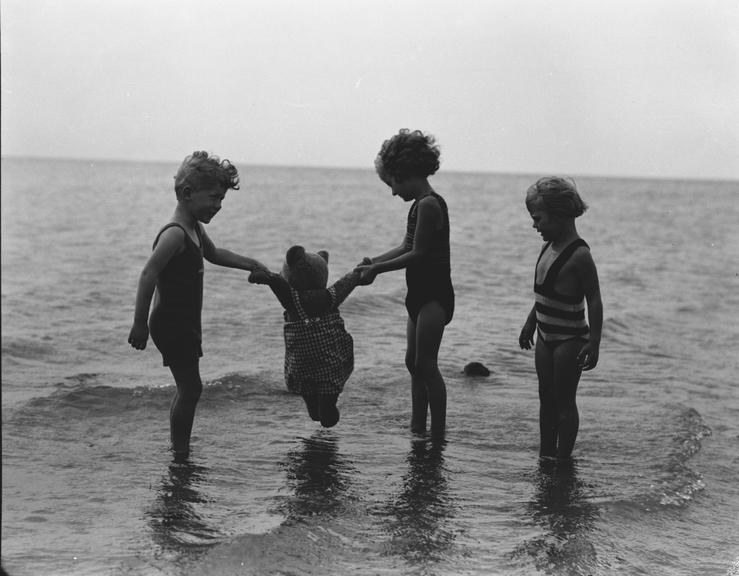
(90, 488)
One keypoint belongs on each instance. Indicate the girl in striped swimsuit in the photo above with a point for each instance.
(566, 344)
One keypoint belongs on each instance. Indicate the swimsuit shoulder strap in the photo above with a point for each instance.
(562, 259)
(170, 225)
(543, 249)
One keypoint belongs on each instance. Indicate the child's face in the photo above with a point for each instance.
(548, 225)
(399, 187)
(205, 203)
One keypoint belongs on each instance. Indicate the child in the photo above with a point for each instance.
(173, 276)
(564, 280)
(404, 163)
(319, 352)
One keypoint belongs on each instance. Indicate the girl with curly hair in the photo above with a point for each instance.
(405, 163)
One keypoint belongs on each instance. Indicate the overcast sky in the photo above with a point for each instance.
(606, 87)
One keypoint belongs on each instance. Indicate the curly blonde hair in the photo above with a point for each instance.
(200, 170)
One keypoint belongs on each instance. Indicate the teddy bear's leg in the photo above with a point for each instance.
(327, 408)
(311, 402)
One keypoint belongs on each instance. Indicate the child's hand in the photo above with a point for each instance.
(138, 336)
(367, 274)
(259, 276)
(526, 338)
(588, 356)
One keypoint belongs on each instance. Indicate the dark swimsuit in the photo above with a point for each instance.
(430, 279)
(175, 320)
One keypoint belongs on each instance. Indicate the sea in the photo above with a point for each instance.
(89, 486)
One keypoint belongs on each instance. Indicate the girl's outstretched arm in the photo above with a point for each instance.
(389, 255)
(428, 220)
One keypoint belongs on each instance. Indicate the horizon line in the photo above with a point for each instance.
(371, 168)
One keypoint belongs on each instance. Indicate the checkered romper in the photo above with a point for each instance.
(319, 352)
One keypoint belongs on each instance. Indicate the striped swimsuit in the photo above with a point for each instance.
(559, 317)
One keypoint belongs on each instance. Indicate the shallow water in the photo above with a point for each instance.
(90, 488)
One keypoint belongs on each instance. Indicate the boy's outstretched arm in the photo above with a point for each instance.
(526, 338)
(169, 244)
(588, 356)
(223, 257)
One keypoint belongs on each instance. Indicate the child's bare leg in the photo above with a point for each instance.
(547, 400)
(182, 410)
(566, 377)
(311, 402)
(419, 396)
(329, 413)
(429, 331)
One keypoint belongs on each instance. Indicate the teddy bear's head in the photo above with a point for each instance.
(305, 270)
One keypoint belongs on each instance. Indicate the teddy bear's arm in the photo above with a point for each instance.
(279, 286)
(344, 286)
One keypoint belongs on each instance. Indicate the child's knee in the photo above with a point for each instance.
(425, 369)
(190, 391)
(410, 363)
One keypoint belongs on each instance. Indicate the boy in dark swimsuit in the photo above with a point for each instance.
(173, 277)
(566, 344)
(404, 163)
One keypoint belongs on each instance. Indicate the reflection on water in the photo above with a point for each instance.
(419, 513)
(173, 518)
(319, 478)
(561, 508)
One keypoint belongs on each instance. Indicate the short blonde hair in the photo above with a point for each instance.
(555, 195)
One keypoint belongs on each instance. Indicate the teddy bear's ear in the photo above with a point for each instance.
(323, 254)
(294, 255)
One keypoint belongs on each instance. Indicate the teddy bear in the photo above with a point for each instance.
(319, 352)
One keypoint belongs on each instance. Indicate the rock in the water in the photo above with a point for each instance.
(476, 369)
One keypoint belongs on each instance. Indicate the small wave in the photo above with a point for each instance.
(373, 303)
(87, 394)
(680, 483)
(26, 349)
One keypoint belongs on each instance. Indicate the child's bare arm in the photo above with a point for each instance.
(526, 338)
(389, 255)
(429, 215)
(588, 274)
(227, 258)
(169, 244)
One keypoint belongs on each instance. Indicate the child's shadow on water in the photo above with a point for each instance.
(173, 518)
(319, 478)
(419, 514)
(562, 509)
